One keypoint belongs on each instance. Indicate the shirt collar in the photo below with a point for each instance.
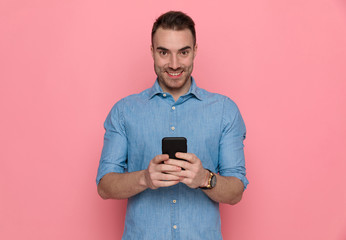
(194, 90)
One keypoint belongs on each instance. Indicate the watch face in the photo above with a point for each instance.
(213, 181)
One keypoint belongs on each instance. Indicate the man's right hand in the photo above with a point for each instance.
(158, 173)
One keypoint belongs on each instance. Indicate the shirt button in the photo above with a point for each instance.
(175, 226)
(164, 95)
(173, 128)
(174, 201)
(173, 108)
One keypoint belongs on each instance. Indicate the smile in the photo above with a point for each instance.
(174, 74)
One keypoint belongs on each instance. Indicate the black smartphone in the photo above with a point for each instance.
(171, 145)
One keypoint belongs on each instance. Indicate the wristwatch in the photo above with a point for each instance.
(211, 181)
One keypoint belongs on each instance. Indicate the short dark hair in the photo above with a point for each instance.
(174, 20)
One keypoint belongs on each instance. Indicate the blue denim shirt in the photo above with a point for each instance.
(214, 130)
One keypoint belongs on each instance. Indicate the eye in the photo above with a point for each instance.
(184, 53)
(163, 53)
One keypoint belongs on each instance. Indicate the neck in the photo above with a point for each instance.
(177, 92)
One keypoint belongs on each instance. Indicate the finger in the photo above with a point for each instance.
(187, 156)
(181, 174)
(167, 168)
(161, 176)
(160, 158)
(165, 183)
(178, 163)
(168, 177)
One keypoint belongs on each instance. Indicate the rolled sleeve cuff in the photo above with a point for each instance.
(240, 176)
(102, 172)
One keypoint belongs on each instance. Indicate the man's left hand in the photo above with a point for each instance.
(194, 175)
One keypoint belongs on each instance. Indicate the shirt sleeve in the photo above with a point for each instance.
(114, 151)
(231, 154)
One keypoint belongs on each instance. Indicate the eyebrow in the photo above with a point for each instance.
(162, 48)
(181, 49)
(184, 48)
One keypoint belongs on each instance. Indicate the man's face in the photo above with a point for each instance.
(173, 53)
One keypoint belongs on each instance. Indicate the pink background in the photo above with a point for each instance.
(63, 64)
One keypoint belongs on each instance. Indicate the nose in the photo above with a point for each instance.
(174, 62)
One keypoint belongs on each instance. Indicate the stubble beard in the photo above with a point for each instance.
(172, 84)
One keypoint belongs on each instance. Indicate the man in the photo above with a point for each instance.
(170, 198)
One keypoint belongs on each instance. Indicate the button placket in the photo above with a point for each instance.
(172, 113)
(174, 214)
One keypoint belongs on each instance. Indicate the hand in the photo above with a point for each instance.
(160, 175)
(194, 175)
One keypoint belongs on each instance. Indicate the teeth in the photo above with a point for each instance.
(174, 74)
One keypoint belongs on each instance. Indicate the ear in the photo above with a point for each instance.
(152, 51)
(195, 50)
